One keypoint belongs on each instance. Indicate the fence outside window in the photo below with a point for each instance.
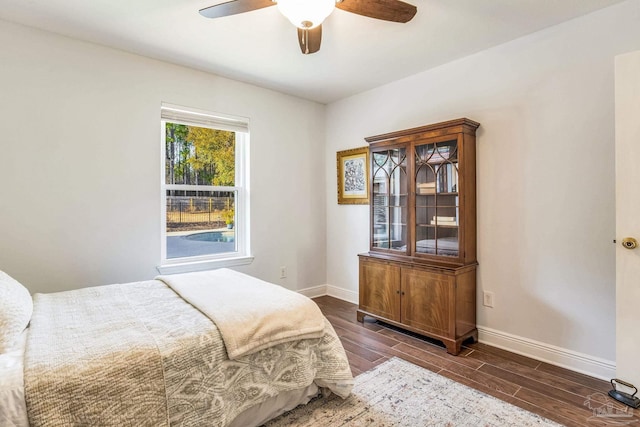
(186, 213)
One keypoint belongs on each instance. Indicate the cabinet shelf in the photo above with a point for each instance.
(377, 193)
(453, 160)
(436, 194)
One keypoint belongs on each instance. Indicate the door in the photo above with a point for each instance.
(427, 301)
(380, 289)
(627, 77)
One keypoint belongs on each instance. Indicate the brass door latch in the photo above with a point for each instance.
(629, 243)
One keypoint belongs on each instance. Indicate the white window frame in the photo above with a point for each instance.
(194, 117)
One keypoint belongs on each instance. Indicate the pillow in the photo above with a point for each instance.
(16, 307)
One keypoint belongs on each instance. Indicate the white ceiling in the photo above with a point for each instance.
(261, 47)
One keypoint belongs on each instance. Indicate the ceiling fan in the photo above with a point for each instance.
(308, 15)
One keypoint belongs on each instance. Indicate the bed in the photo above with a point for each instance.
(216, 348)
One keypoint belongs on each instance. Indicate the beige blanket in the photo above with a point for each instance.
(251, 314)
(139, 355)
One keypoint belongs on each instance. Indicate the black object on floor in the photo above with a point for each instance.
(622, 397)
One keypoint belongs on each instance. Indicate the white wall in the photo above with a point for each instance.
(545, 162)
(80, 164)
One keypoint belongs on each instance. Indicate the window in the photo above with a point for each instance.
(204, 190)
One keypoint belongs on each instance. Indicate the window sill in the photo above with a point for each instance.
(210, 264)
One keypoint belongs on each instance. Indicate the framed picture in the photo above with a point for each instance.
(353, 176)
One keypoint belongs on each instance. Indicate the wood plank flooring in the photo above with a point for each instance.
(561, 395)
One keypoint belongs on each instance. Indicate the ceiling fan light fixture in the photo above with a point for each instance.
(306, 14)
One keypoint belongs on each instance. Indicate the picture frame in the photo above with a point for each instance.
(353, 176)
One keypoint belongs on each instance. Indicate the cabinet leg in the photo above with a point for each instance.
(453, 347)
(360, 316)
(474, 336)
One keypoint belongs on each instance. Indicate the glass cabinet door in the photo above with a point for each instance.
(437, 201)
(389, 199)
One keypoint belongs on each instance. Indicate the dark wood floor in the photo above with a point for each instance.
(556, 393)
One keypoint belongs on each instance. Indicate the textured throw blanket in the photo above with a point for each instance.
(251, 314)
(139, 355)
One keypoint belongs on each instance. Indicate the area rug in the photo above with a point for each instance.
(399, 393)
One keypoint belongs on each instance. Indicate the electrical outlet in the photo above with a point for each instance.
(283, 272)
(487, 299)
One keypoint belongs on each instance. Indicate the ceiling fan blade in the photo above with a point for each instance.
(234, 7)
(310, 39)
(387, 10)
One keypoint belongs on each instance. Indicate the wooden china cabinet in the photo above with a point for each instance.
(420, 271)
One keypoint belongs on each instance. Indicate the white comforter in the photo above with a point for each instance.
(138, 354)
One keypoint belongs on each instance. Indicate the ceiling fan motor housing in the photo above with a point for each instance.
(306, 13)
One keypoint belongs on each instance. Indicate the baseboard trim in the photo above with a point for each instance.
(332, 291)
(572, 360)
(343, 294)
(314, 291)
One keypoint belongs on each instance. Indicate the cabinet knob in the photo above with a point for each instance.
(629, 243)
